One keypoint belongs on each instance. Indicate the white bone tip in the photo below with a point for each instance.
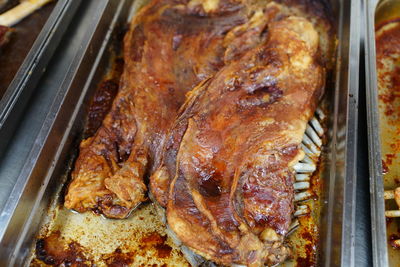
(302, 196)
(304, 167)
(301, 185)
(392, 213)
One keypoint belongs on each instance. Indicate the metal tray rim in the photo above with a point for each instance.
(378, 224)
(346, 253)
(33, 66)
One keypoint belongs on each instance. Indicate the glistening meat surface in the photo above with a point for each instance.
(226, 177)
(170, 48)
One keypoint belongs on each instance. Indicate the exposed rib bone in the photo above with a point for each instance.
(302, 196)
(313, 135)
(317, 126)
(393, 194)
(307, 141)
(16, 14)
(293, 226)
(307, 150)
(388, 194)
(392, 213)
(304, 167)
(307, 159)
(395, 243)
(301, 185)
(311, 145)
(302, 177)
(301, 210)
(320, 113)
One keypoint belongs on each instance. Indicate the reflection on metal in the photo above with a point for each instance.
(41, 179)
(381, 133)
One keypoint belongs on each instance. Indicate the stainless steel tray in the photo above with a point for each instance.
(42, 176)
(379, 136)
(15, 97)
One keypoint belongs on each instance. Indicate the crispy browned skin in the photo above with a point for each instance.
(237, 41)
(169, 49)
(228, 159)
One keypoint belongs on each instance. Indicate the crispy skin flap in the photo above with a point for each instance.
(171, 47)
(229, 156)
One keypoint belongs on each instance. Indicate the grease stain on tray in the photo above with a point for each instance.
(73, 239)
(86, 239)
(388, 71)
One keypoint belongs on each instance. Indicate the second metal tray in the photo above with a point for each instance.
(15, 97)
(45, 168)
(382, 132)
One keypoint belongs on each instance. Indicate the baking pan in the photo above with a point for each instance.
(384, 164)
(34, 206)
(24, 34)
(18, 90)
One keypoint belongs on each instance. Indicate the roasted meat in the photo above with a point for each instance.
(226, 177)
(171, 47)
(213, 104)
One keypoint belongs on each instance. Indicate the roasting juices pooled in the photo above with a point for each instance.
(213, 106)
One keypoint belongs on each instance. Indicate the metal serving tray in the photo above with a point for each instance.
(380, 135)
(15, 97)
(34, 198)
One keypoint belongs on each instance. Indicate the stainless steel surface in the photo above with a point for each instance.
(338, 224)
(351, 121)
(378, 220)
(45, 158)
(21, 88)
(363, 237)
(26, 196)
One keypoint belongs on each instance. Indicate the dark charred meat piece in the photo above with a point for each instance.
(171, 47)
(227, 163)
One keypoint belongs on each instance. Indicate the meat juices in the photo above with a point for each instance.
(213, 105)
